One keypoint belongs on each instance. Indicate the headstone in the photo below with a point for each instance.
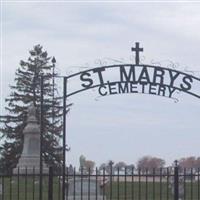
(30, 157)
(181, 187)
(84, 189)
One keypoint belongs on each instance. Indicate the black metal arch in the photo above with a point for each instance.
(66, 95)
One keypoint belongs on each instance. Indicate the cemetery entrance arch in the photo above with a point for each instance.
(127, 78)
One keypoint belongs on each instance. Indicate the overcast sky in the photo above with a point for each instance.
(86, 34)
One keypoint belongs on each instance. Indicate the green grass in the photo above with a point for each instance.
(135, 191)
(149, 191)
(28, 188)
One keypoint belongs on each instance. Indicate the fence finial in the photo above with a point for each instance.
(176, 163)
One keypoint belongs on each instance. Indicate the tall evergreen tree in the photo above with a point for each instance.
(26, 91)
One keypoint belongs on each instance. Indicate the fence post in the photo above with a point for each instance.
(111, 177)
(50, 188)
(176, 181)
(1, 190)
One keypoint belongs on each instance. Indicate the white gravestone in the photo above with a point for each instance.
(81, 189)
(30, 157)
(180, 188)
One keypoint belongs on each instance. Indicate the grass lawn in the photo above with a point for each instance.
(29, 190)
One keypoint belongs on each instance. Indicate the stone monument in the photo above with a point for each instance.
(30, 157)
(83, 189)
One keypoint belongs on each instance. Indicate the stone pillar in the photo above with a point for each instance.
(30, 157)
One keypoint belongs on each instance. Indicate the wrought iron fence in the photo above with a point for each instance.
(106, 184)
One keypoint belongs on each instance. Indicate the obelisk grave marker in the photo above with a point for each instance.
(30, 157)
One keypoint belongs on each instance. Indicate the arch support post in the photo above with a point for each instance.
(64, 135)
(41, 134)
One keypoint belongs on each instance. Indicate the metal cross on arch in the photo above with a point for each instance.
(137, 51)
